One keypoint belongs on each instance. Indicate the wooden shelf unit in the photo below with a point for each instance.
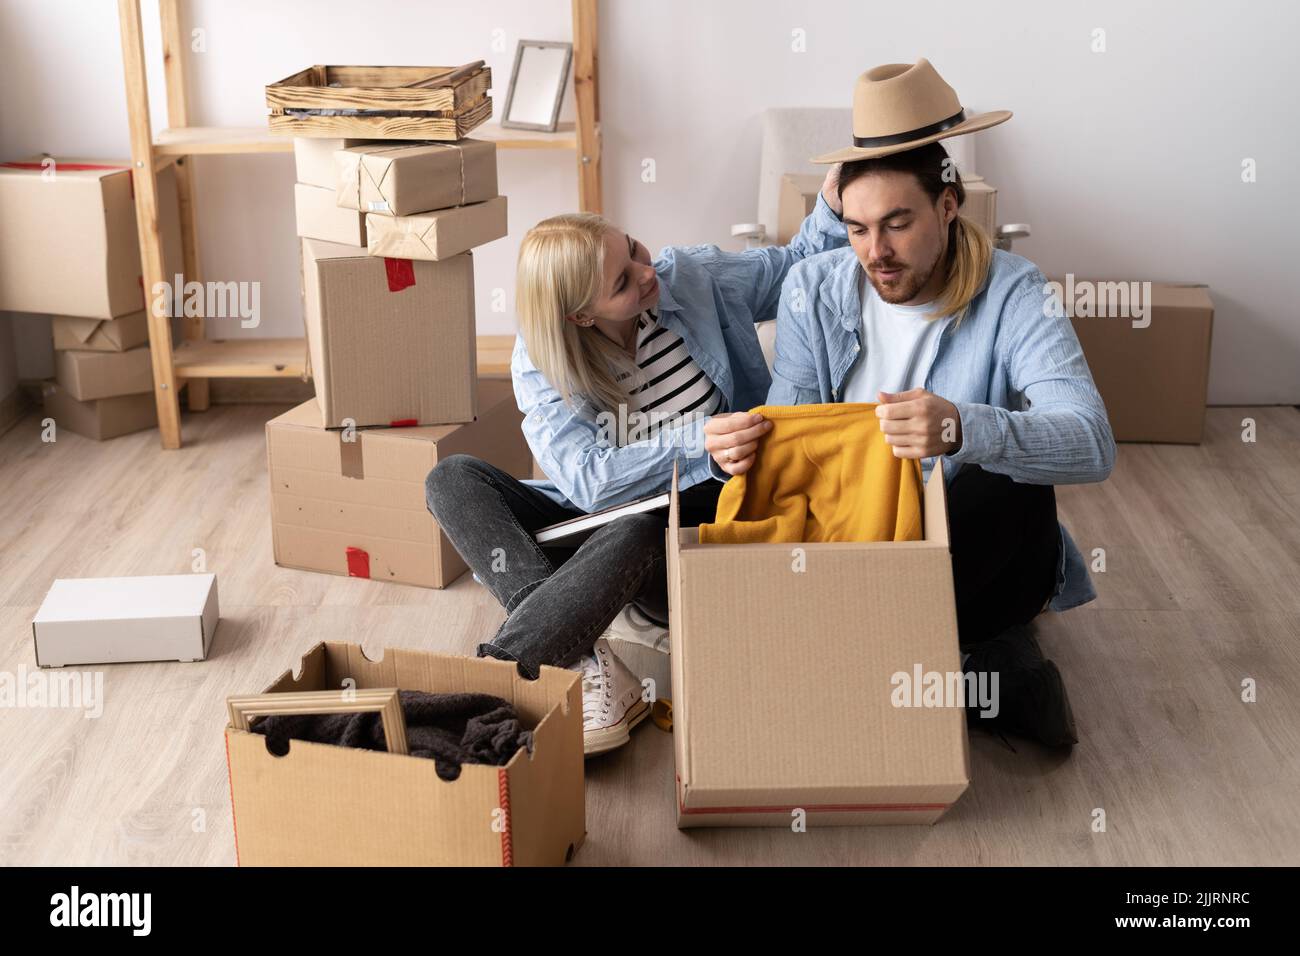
(197, 358)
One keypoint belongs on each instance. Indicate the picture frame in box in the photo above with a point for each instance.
(380, 700)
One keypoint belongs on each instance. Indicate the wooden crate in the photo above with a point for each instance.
(444, 111)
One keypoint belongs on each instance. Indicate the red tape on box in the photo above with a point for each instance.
(507, 838)
(401, 273)
(358, 563)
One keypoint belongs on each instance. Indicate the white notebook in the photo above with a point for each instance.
(583, 525)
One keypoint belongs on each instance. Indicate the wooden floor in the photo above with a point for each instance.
(1201, 591)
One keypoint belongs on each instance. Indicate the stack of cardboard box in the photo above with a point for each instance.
(388, 297)
(103, 375)
(69, 249)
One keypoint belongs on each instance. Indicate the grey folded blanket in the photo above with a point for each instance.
(450, 729)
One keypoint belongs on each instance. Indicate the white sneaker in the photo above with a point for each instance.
(611, 700)
(635, 628)
(643, 646)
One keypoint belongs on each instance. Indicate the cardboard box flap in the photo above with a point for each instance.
(82, 329)
(934, 507)
(674, 512)
(321, 249)
(329, 663)
(770, 708)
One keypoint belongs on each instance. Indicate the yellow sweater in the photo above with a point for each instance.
(823, 473)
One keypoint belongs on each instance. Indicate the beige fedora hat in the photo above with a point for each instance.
(901, 106)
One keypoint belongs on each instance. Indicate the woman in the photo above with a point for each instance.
(619, 363)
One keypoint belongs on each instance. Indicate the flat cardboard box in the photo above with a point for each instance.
(161, 617)
(1152, 377)
(100, 335)
(101, 418)
(400, 179)
(389, 340)
(68, 242)
(357, 508)
(795, 202)
(313, 159)
(782, 661)
(318, 217)
(437, 235)
(327, 805)
(90, 375)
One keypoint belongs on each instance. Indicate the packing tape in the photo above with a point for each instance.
(351, 462)
(401, 273)
(358, 562)
(460, 151)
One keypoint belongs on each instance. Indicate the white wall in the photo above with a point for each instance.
(1127, 163)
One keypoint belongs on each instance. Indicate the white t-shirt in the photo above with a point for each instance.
(897, 340)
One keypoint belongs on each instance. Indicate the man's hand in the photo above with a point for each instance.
(919, 424)
(831, 189)
(732, 440)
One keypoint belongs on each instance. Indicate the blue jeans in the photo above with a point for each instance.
(558, 599)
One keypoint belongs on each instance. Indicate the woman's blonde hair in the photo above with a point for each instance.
(970, 251)
(560, 271)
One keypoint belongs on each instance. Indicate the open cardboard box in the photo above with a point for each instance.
(327, 805)
(782, 678)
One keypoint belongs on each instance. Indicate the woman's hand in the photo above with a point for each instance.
(732, 440)
(831, 189)
(919, 424)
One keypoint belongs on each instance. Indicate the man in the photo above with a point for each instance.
(951, 338)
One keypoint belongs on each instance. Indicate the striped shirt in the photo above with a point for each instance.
(673, 389)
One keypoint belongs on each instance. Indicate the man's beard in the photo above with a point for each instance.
(906, 286)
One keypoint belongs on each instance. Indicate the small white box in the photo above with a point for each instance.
(160, 617)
